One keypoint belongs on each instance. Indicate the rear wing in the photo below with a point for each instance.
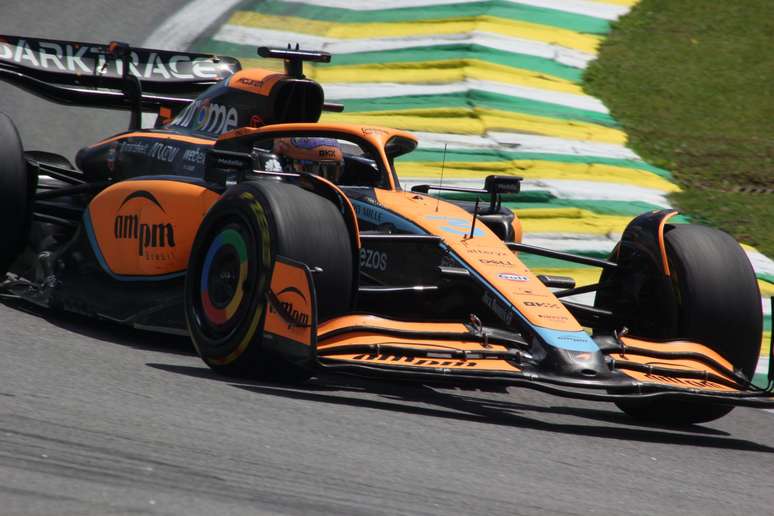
(95, 65)
(112, 76)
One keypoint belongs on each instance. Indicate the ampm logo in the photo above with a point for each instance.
(295, 315)
(149, 236)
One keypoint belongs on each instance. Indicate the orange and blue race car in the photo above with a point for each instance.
(284, 246)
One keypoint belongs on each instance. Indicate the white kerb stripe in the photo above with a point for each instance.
(587, 8)
(563, 189)
(525, 143)
(760, 262)
(341, 91)
(243, 35)
(552, 145)
(377, 5)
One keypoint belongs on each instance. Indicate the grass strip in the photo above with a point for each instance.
(691, 82)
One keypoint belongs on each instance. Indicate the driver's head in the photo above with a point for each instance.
(320, 156)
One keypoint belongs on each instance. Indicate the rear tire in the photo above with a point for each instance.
(15, 192)
(230, 268)
(717, 303)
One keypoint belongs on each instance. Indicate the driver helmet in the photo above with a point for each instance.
(319, 156)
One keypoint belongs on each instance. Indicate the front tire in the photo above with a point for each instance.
(712, 298)
(230, 269)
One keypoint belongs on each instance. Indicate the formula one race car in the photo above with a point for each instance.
(282, 245)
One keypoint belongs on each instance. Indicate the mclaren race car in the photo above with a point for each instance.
(282, 246)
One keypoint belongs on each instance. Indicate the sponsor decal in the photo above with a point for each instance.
(262, 86)
(368, 213)
(502, 312)
(135, 148)
(456, 226)
(195, 156)
(299, 312)
(163, 152)
(251, 83)
(570, 338)
(496, 263)
(512, 277)
(373, 130)
(77, 58)
(229, 163)
(375, 260)
(541, 304)
(156, 150)
(684, 382)
(554, 317)
(415, 362)
(488, 251)
(207, 117)
(154, 240)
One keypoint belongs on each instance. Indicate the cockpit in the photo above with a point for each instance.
(343, 162)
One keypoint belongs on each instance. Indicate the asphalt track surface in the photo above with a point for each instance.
(99, 419)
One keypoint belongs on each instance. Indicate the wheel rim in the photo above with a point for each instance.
(225, 286)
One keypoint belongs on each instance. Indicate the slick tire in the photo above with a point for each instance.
(15, 191)
(230, 269)
(718, 304)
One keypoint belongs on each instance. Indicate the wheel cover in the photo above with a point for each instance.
(224, 280)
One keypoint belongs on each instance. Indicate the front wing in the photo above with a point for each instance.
(467, 353)
(459, 353)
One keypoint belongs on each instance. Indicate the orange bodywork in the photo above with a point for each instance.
(290, 285)
(662, 244)
(255, 80)
(373, 321)
(630, 355)
(497, 365)
(359, 330)
(486, 254)
(158, 136)
(147, 227)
